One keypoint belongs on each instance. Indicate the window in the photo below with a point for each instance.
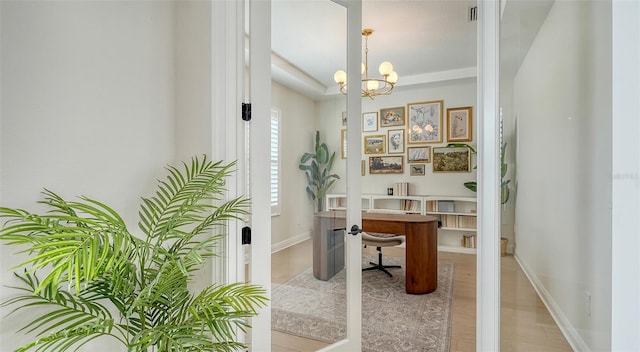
(275, 162)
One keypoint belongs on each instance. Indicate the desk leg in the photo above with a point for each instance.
(422, 257)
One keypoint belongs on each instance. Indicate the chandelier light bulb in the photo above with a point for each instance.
(385, 68)
(393, 77)
(340, 77)
(372, 85)
(362, 67)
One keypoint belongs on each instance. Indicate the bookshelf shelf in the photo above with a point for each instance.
(457, 215)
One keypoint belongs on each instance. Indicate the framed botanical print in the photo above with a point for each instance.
(425, 122)
(459, 126)
(369, 121)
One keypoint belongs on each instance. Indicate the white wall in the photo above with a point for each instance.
(457, 93)
(89, 106)
(563, 209)
(299, 120)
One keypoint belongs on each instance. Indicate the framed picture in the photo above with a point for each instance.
(416, 170)
(451, 159)
(419, 154)
(374, 144)
(396, 141)
(459, 125)
(369, 121)
(425, 122)
(390, 117)
(363, 167)
(343, 143)
(386, 165)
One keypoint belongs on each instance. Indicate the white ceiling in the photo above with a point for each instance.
(417, 37)
(426, 40)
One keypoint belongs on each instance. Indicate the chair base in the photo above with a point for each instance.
(380, 266)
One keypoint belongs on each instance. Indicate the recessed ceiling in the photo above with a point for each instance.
(418, 37)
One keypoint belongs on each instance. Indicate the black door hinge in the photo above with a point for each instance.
(246, 111)
(246, 235)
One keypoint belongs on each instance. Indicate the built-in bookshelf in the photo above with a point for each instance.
(457, 215)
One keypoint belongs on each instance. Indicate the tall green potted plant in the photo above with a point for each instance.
(89, 276)
(317, 166)
(504, 186)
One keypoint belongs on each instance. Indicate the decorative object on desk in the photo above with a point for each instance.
(396, 141)
(416, 169)
(425, 122)
(344, 118)
(459, 124)
(451, 159)
(374, 144)
(88, 276)
(390, 117)
(419, 154)
(504, 185)
(314, 309)
(386, 165)
(390, 191)
(317, 166)
(369, 121)
(343, 143)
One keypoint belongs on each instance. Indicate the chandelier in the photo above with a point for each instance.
(370, 86)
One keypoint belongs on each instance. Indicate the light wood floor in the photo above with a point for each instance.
(525, 322)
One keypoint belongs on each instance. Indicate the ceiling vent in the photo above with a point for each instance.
(472, 15)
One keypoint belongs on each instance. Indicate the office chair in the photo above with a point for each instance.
(380, 240)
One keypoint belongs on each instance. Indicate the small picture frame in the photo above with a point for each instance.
(396, 141)
(390, 117)
(419, 154)
(343, 143)
(425, 122)
(344, 118)
(459, 124)
(374, 144)
(363, 167)
(451, 159)
(369, 121)
(386, 165)
(416, 169)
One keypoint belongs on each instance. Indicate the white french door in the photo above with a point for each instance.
(258, 136)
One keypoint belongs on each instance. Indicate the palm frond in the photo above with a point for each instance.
(224, 308)
(62, 315)
(180, 198)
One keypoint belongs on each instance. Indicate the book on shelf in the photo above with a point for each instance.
(467, 222)
(401, 189)
(468, 241)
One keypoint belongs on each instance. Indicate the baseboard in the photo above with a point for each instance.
(575, 340)
(275, 247)
(282, 244)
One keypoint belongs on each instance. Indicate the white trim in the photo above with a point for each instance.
(567, 329)
(488, 258)
(292, 241)
(259, 162)
(625, 207)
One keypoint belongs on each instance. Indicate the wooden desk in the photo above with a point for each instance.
(421, 234)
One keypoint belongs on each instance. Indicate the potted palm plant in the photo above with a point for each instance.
(317, 166)
(89, 276)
